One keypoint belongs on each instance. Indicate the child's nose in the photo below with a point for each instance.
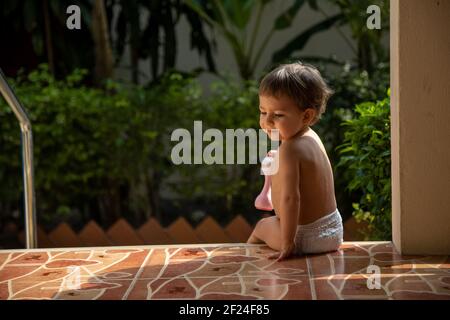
(269, 120)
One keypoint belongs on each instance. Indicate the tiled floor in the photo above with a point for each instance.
(225, 271)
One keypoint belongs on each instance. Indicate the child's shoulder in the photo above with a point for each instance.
(302, 147)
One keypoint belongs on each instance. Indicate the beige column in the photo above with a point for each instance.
(420, 117)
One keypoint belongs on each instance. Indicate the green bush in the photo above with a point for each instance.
(98, 152)
(223, 189)
(105, 153)
(366, 161)
(351, 87)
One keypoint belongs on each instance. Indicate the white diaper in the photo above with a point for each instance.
(323, 235)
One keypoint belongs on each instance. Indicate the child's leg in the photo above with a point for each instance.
(267, 231)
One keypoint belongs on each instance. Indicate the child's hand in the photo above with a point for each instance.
(285, 253)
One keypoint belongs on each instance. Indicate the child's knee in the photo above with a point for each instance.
(263, 225)
(260, 224)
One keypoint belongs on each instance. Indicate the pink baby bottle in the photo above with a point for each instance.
(264, 200)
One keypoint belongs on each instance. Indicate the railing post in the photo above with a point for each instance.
(27, 161)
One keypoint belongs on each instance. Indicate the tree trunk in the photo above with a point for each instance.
(48, 38)
(104, 65)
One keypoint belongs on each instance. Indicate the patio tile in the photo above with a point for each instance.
(227, 287)
(220, 271)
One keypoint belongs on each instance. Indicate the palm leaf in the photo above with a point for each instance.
(285, 19)
(299, 42)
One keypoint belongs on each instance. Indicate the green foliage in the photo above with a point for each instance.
(369, 49)
(300, 41)
(366, 160)
(92, 147)
(351, 87)
(232, 19)
(224, 189)
(34, 29)
(156, 38)
(105, 153)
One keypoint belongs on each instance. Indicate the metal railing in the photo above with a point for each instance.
(27, 161)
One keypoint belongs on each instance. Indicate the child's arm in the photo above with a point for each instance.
(289, 179)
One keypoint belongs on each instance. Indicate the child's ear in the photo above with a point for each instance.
(310, 114)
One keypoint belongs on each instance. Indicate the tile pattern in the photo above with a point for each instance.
(220, 271)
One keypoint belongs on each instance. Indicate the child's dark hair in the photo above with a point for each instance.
(300, 82)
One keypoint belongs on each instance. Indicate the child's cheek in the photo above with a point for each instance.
(261, 124)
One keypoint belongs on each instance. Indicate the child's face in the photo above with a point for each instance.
(282, 114)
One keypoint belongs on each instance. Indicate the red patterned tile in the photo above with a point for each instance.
(55, 264)
(154, 264)
(270, 282)
(215, 270)
(231, 259)
(4, 294)
(349, 250)
(12, 272)
(221, 272)
(226, 296)
(408, 295)
(117, 290)
(445, 280)
(3, 258)
(118, 251)
(175, 289)
(30, 258)
(409, 282)
(324, 289)
(301, 290)
(357, 287)
(181, 267)
(128, 262)
(190, 253)
(229, 250)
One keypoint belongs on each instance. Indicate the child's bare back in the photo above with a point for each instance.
(316, 185)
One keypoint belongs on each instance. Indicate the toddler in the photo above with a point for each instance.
(291, 99)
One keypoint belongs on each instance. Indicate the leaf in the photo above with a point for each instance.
(302, 39)
(239, 11)
(313, 4)
(318, 60)
(370, 187)
(347, 149)
(199, 40)
(170, 45)
(194, 5)
(86, 14)
(30, 10)
(285, 19)
(38, 43)
(121, 30)
(9, 7)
